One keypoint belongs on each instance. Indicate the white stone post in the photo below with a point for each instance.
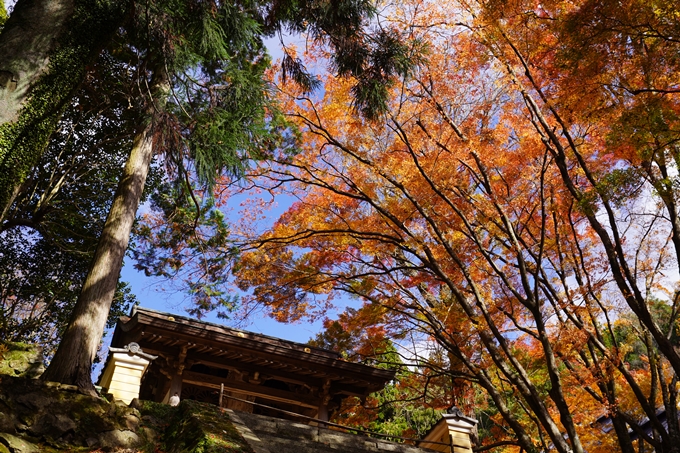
(124, 370)
(451, 434)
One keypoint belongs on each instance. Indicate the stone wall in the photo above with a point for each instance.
(37, 415)
(48, 417)
(274, 435)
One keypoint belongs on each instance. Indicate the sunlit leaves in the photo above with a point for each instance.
(481, 211)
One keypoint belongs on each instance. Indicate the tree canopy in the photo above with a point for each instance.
(506, 200)
(516, 205)
(195, 84)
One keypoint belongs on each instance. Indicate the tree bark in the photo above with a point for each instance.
(73, 360)
(29, 36)
(27, 39)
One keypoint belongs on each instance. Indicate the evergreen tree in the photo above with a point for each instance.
(45, 48)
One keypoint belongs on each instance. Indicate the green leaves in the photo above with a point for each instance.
(189, 247)
(3, 15)
(52, 229)
(294, 68)
(373, 57)
(227, 121)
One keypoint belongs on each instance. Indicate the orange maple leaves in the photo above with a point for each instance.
(501, 207)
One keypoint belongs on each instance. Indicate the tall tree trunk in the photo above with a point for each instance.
(28, 38)
(72, 362)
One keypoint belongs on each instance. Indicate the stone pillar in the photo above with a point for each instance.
(460, 428)
(123, 373)
(452, 433)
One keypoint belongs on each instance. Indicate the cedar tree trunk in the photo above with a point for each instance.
(72, 363)
(45, 47)
(29, 36)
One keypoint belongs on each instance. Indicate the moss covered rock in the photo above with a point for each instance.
(202, 428)
(50, 418)
(60, 419)
(19, 359)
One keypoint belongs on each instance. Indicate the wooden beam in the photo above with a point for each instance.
(283, 396)
(348, 388)
(213, 361)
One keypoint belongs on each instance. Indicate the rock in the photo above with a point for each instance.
(132, 422)
(25, 420)
(68, 387)
(151, 420)
(91, 441)
(118, 439)
(33, 400)
(6, 423)
(52, 426)
(117, 407)
(22, 360)
(16, 444)
(136, 404)
(148, 434)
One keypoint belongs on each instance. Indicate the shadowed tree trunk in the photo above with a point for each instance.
(72, 362)
(29, 36)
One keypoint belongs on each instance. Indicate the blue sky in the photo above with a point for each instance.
(151, 295)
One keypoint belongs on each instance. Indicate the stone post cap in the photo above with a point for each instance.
(135, 350)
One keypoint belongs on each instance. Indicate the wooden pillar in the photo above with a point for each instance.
(163, 385)
(322, 413)
(325, 393)
(238, 405)
(175, 376)
(176, 385)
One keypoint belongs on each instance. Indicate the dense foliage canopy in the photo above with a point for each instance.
(517, 207)
(505, 210)
(192, 76)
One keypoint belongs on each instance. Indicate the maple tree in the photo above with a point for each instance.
(407, 407)
(517, 205)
